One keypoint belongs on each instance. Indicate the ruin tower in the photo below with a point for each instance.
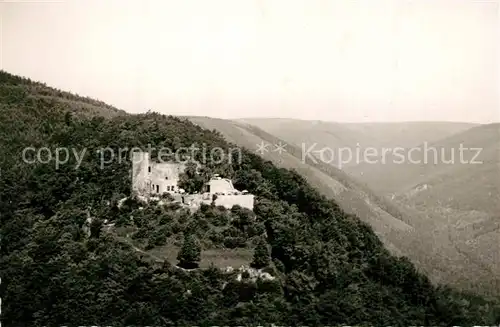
(140, 166)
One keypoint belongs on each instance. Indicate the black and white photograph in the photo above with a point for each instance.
(249, 163)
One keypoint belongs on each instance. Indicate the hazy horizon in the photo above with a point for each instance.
(370, 122)
(339, 61)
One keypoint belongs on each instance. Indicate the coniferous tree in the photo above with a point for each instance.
(96, 227)
(190, 254)
(261, 257)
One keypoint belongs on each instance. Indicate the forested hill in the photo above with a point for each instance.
(330, 267)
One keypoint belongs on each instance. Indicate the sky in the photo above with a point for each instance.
(336, 60)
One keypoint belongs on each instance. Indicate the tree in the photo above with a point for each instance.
(96, 227)
(242, 217)
(192, 180)
(190, 254)
(261, 256)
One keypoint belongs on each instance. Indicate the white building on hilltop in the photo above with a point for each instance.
(227, 195)
(220, 186)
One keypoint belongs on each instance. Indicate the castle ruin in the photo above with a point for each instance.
(152, 179)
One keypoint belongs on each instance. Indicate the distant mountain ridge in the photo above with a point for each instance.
(411, 173)
(403, 229)
(337, 134)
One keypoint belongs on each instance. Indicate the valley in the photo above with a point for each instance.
(413, 207)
